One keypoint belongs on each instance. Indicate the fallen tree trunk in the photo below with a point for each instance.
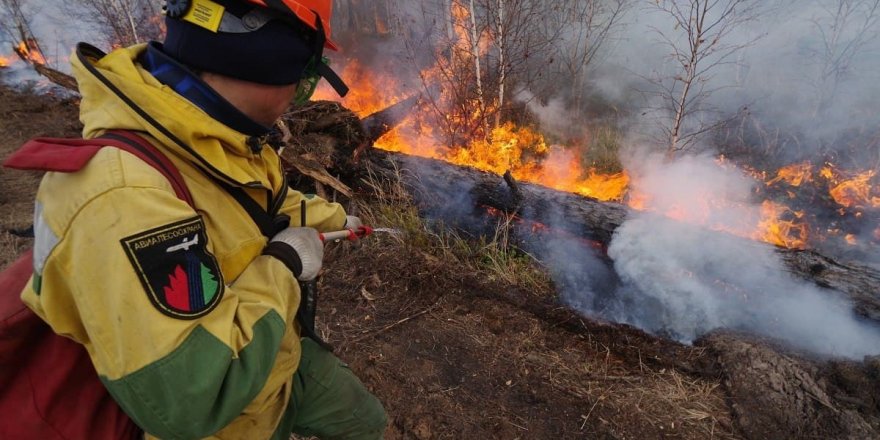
(460, 196)
(330, 135)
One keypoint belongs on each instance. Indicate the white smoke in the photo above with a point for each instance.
(554, 116)
(682, 280)
(777, 75)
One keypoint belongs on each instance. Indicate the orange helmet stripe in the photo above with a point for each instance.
(303, 10)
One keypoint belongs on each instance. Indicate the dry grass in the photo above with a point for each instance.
(620, 395)
(391, 206)
(603, 153)
(661, 399)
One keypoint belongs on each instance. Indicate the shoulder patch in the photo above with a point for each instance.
(180, 276)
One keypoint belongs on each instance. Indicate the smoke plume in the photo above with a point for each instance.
(682, 281)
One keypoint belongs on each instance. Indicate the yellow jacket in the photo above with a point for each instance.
(191, 329)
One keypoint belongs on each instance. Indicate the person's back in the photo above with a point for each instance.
(189, 314)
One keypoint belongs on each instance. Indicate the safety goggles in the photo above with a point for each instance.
(318, 67)
(309, 82)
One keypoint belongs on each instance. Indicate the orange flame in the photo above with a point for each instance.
(780, 225)
(794, 174)
(28, 50)
(854, 190)
(5, 61)
(527, 155)
(521, 150)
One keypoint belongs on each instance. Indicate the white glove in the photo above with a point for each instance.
(300, 249)
(353, 223)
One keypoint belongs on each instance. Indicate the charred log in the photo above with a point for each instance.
(514, 189)
(319, 140)
(777, 394)
(328, 135)
(460, 195)
(60, 78)
(383, 121)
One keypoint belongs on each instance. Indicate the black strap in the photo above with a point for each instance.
(268, 221)
(308, 309)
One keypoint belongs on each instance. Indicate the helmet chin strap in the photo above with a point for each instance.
(321, 68)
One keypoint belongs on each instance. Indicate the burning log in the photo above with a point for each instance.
(459, 195)
(320, 139)
(60, 78)
(382, 121)
(329, 138)
(330, 135)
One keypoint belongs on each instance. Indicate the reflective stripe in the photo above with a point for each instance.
(44, 239)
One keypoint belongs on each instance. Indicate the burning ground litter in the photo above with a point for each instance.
(839, 215)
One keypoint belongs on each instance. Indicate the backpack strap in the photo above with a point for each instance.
(71, 155)
(138, 146)
(269, 222)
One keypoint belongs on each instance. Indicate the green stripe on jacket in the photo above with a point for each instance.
(199, 388)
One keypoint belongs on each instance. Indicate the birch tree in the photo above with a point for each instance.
(699, 45)
(583, 28)
(845, 28)
(521, 52)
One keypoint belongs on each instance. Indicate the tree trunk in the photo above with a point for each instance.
(475, 52)
(466, 197)
(502, 68)
(460, 196)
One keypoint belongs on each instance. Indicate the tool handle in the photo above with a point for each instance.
(346, 234)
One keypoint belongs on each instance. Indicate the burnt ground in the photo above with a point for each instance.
(455, 352)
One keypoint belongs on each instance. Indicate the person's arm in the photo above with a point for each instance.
(320, 214)
(182, 349)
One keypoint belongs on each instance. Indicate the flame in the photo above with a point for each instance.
(456, 128)
(794, 174)
(530, 157)
(772, 222)
(853, 189)
(5, 61)
(527, 154)
(780, 225)
(29, 51)
(369, 93)
(521, 150)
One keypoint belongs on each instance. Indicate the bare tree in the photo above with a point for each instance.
(578, 30)
(124, 22)
(475, 54)
(699, 46)
(521, 51)
(845, 28)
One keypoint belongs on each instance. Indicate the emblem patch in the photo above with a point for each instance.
(180, 276)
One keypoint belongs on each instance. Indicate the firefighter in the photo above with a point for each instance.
(189, 313)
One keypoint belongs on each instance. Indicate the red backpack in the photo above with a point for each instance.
(49, 389)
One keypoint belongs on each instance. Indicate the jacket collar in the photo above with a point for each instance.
(186, 83)
(118, 93)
